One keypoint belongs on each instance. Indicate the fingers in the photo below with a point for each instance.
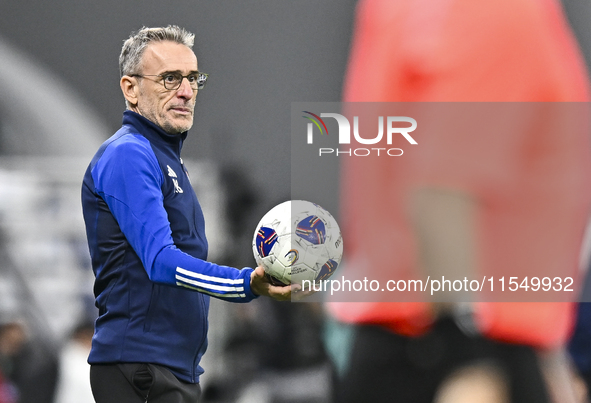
(292, 292)
(298, 294)
(280, 293)
(259, 272)
(260, 285)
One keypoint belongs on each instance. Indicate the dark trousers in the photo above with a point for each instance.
(385, 367)
(140, 383)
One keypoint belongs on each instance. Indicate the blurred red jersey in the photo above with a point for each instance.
(530, 178)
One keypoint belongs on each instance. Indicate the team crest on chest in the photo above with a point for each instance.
(172, 174)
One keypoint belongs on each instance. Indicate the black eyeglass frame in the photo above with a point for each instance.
(201, 79)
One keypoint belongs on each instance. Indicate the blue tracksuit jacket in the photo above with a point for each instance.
(147, 242)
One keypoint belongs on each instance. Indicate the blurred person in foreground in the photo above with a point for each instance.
(513, 197)
(146, 234)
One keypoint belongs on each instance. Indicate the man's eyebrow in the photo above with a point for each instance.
(178, 72)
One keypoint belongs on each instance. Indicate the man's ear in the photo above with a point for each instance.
(129, 87)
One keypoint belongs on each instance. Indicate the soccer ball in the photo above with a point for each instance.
(298, 240)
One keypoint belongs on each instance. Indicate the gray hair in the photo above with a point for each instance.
(134, 47)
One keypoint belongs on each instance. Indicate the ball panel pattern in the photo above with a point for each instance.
(298, 241)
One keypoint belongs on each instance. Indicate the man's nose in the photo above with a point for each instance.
(185, 89)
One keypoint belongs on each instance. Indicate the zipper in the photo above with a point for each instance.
(185, 170)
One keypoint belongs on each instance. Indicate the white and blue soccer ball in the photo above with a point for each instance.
(298, 240)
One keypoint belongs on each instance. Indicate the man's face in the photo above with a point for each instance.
(172, 110)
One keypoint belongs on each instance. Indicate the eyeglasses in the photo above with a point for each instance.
(172, 81)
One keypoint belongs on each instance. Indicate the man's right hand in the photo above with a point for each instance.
(260, 285)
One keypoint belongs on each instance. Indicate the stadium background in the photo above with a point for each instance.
(61, 98)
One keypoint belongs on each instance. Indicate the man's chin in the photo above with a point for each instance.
(178, 126)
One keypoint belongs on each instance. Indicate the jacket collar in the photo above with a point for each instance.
(152, 131)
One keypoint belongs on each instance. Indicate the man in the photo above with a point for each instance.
(146, 234)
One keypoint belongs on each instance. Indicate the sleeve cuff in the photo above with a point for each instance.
(247, 273)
